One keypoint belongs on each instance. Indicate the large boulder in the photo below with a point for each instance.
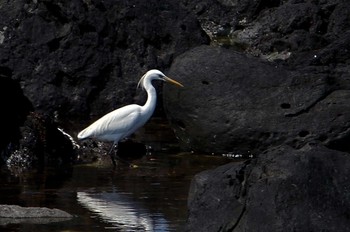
(240, 104)
(285, 189)
(76, 59)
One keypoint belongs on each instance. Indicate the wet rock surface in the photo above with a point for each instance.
(15, 211)
(14, 214)
(285, 189)
(41, 144)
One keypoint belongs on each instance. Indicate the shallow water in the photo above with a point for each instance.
(152, 197)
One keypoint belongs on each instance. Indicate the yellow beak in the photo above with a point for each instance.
(167, 79)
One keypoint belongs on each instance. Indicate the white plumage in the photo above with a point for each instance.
(124, 121)
(116, 125)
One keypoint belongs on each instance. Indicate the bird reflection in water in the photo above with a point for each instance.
(122, 212)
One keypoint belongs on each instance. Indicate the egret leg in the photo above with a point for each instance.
(114, 156)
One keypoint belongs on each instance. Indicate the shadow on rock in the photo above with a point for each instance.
(14, 109)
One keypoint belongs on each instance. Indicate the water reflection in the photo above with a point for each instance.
(152, 197)
(122, 212)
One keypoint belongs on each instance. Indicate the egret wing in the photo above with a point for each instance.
(124, 120)
(114, 125)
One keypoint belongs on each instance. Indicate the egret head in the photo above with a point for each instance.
(155, 74)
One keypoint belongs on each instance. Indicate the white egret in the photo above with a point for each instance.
(124, 121)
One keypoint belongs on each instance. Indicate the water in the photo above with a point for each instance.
(152, 197)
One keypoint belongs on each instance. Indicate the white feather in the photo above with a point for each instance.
(124, 121)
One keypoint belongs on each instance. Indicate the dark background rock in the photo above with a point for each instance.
(299, 97)
(272, 28)
(29, 139)
(76, 59)
(285, 189)
(89, 56)
(240, 104)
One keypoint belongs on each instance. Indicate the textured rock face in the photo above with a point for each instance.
(300, 96)
(240, 104)
(76, 57)
(80, 59)
(14, 214)
(278, 29)
(15, 211)
(284, 190)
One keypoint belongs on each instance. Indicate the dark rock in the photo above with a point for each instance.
(15, 211)
(298, 33)
(28, 139)
(42, 144)
(78, 58)
(283, 190)
(235, 103)
(14, 109)
(91, 151)
(97, 152)
(239, 104)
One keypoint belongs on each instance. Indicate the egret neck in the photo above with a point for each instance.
(150, 105)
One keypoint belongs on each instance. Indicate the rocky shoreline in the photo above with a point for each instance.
(268, 79)
(10, 214)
